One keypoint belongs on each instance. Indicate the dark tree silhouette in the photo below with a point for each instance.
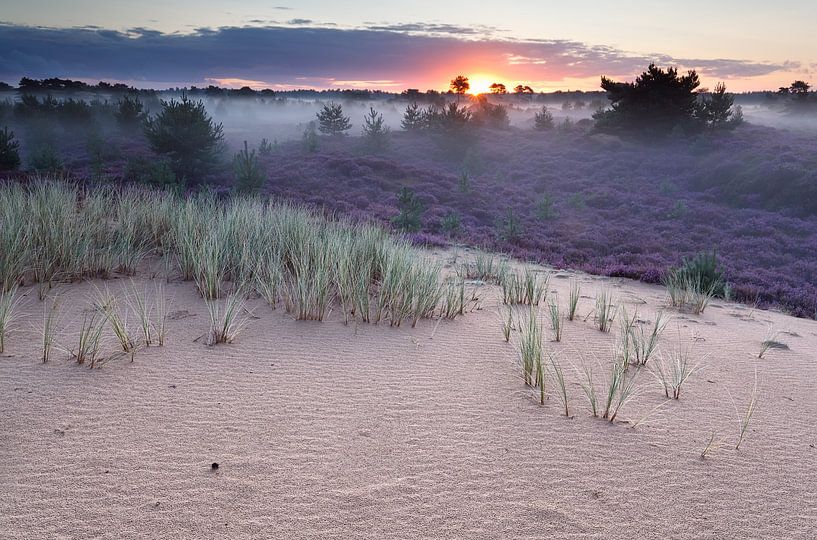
(9, 150)
(656, 103)
(543, 120)
(414, 119)
(716, 109)
(522, 89)
(460, 85)
(185, 132)
(375, 131)
(331, 120)
(498, 88)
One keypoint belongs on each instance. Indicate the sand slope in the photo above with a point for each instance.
(324, 430)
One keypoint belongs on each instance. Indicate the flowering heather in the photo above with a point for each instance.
(613, 207)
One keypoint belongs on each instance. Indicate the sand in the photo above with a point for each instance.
(323, 430)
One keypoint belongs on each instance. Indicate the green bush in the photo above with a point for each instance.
(543, 120)
(544, 208)
(310, 138)
(331, 120)
(45, 159)
(451, 223)
(702, 270)
(185, 133)
(129, 111)
(375, 131)
(411, 211)
(151, 171)
(509, 228)
(9, 151)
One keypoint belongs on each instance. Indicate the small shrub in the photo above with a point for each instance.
(9, 151)
(266, 148)
(464, 182)
(451, 223)
(375, 132)
(45, 159)
(154, 172)
(129, 111)
(509, 227)
(414, 118)
(249, 176)
(331, 120)
(411, 211)
(227, 322)
(545, 209)
(310, 138)
(543, 120)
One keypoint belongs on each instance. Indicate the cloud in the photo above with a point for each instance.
(391, 56)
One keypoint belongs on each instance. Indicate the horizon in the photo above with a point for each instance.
(285, 47)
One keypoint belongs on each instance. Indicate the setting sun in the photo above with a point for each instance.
(480, 84)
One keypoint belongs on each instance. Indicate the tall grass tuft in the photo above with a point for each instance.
(108, 304)
(573, 301)
(688, 294)
(621, 389)
(589, 388)
(559, 375)
(527, 287)
(530, 348)
(645, 343)
(51, 321)
(605, 312)
(161, 311)
(507, 323)
(555, 319)
(8, 306)
(673, 370)
(226, 322)
(90, 338)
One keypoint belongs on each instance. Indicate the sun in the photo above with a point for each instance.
(480, 84)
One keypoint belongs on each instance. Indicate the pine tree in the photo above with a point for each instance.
(331, 120)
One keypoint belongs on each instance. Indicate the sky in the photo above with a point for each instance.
(749, 44)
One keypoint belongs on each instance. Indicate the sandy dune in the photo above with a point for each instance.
(323, 430)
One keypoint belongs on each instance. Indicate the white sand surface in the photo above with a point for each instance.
(323, 430)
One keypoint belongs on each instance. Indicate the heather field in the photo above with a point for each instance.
(567, 197)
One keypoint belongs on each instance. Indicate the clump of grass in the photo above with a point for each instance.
(559, 375)
(8, 306)
(605, 312)
(769, 342)
(484, 267)
(528, 287)
(507, 323)
(51, 320)
(161, 310)
(746, 417)
(573, 301)
(644, 343)
(108, 305)
(540, 379)
(621, 388)
(226, 322)
(673, 372)
(589, 388)
(555, 319)
(688, 294)
(530, 348)
(453, 298)
(139, 304)
(90, 338)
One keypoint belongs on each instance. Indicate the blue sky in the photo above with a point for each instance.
(750, 44)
